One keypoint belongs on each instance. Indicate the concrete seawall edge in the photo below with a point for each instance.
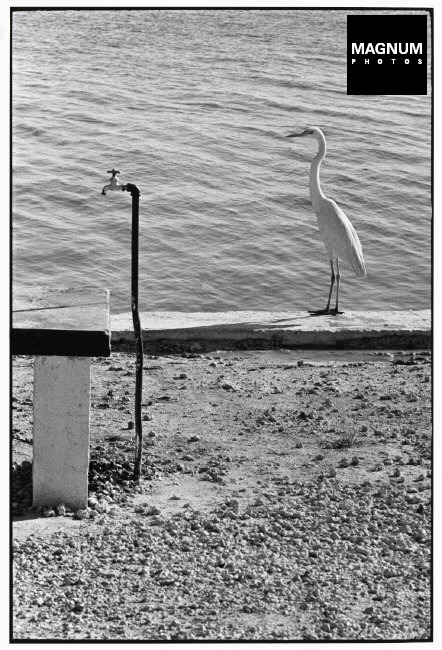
(204, 331)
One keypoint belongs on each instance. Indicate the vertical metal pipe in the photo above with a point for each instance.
(135, 193)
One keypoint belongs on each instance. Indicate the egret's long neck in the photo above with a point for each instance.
(315, 188)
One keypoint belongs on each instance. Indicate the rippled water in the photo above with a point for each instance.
(193, 106)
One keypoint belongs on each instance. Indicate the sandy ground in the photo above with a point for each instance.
(285, 495)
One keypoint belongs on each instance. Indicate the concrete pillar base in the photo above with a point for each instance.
(61, 431)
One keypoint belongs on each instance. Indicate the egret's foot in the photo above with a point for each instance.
(319, 312)
(335, 312)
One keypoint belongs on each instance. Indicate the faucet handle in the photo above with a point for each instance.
(113, 182)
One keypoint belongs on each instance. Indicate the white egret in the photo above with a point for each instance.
(339, 236)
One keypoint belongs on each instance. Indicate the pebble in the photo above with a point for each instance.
(228, 386)
(101, 506)
(82, 513)
(156, 521)
(419, 534)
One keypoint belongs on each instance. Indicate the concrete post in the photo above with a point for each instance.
(61, 431)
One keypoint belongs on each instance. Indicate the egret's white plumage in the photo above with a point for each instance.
(339, 236)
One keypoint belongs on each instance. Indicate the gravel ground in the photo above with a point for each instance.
(284, 497)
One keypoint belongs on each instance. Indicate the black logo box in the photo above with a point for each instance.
(387, 73)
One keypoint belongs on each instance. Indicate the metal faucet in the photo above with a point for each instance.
(135, 194)
(113, 182)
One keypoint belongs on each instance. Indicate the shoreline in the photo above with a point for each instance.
(207, 331)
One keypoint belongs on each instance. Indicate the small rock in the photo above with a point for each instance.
(419, 535)
(227, 386)
(233, 504)
(156, 521)
(101, 506)
(83, 513)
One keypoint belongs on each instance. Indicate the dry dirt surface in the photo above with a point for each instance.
(285, 496)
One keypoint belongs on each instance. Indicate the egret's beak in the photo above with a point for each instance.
(299, 135)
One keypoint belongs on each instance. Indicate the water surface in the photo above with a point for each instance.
(193, 107)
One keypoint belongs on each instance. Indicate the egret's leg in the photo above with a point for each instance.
(338, 278)
(332, 282)
(320, 312)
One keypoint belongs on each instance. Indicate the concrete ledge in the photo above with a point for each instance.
(203, 331)
(61, 322)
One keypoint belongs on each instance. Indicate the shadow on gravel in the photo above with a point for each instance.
(106, 475)
(103, 473)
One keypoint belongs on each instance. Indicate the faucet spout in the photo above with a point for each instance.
(113, 182)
